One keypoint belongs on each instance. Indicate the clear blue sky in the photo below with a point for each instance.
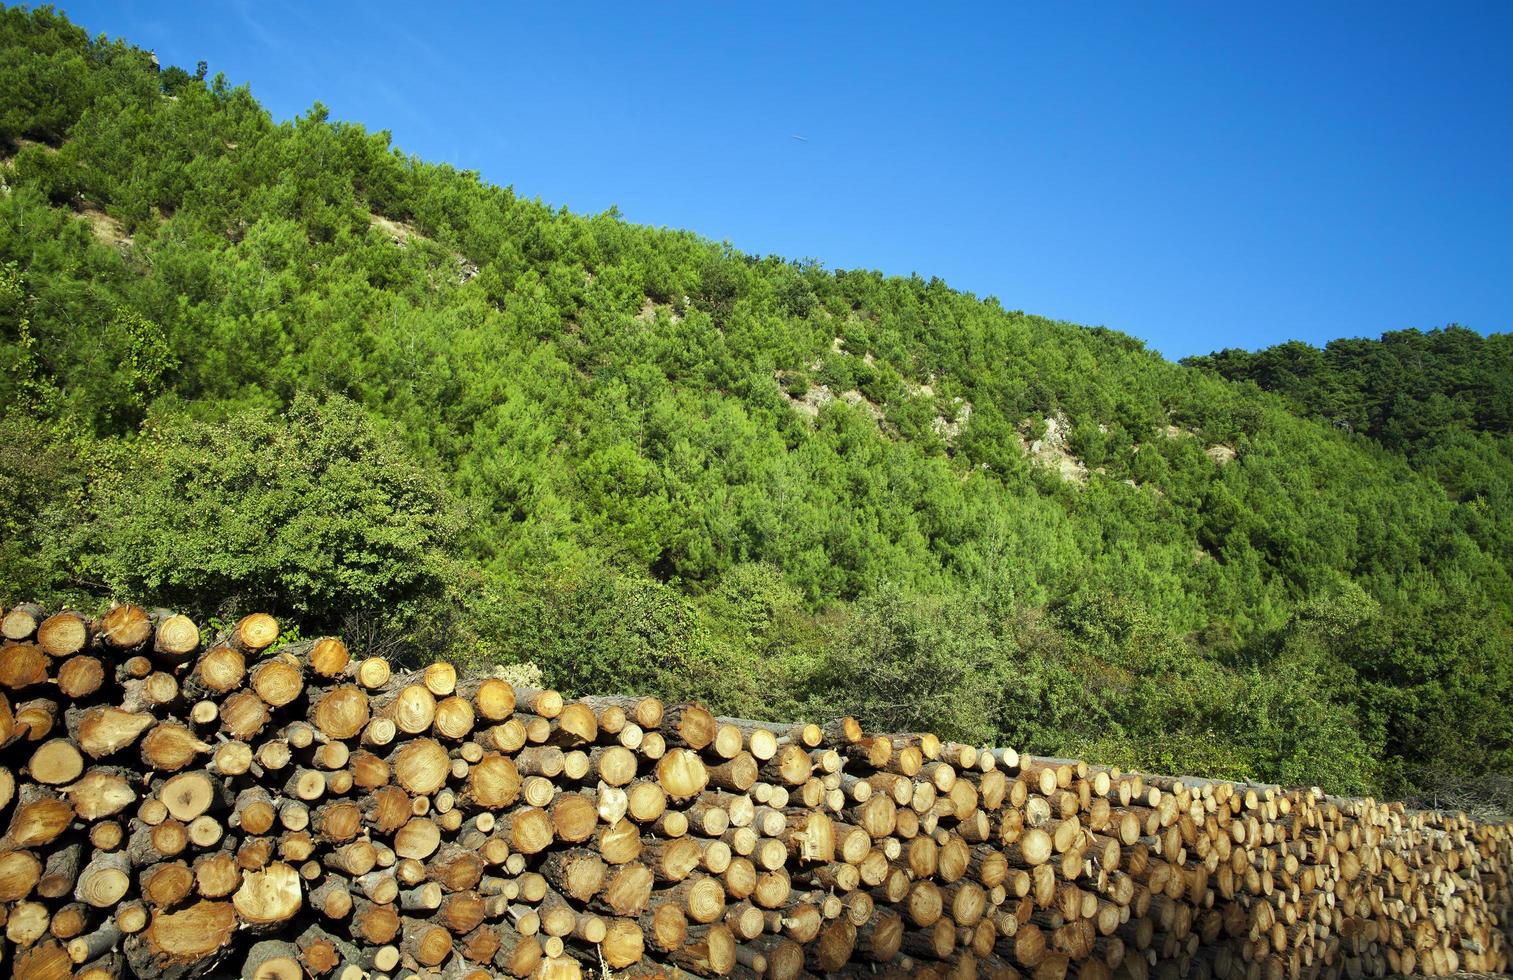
(1200, 175)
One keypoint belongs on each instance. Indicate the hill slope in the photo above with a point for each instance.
(290, 364)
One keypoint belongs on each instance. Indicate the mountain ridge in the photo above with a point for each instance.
(514, 454)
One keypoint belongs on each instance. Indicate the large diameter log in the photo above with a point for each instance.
(175, 636)
(623, 943)
(493, 782)
(428, 944)
(19, 874)
(341, 712)
(421, 766)
(63, 634)
(252, 634)
(328, 657)
(268, 897)
(103, 731)
(494, 700)
(682, 774)
(169, 747)
(22, 665)
(55, 762)
(38, 818)
(711, 954)
(412, 709)
(454, 718)
(105, 881)
(79, 677)
(44, 961)
(278, 680)
(183, 943)
(218, 671)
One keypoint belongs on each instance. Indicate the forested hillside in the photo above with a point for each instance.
(288, 363)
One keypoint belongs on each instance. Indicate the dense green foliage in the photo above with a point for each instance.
(285, 364)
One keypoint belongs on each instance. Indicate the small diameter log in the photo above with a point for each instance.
(61, 872)
(253, 634)
(92, 945)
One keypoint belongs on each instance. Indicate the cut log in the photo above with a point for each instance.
(19, 874)
(278, 680)
(20, 622)
(252, 634)
(169, 747)
(176, 944)
(268, 897)
(428, 944)
(81, 676)
(63, 634)
(328, 657)
(421, 766)
(341, 712)
(55, 762)
(412, 709)
(175, 637)
(38, 818)
(682, 774)
(22, 665)
(218, 671)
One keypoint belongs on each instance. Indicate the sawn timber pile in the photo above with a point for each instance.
(173, 810)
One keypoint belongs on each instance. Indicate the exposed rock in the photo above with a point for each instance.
(1051, 450)
(950, 429)
(856, 399)
(1220, 453)
(648, 311)
(107, 230)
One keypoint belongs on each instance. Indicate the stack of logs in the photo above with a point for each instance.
(173, 809)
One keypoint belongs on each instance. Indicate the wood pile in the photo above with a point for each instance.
(173, 810)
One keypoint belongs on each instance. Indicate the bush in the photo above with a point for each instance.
(909, 662)
(312, 513)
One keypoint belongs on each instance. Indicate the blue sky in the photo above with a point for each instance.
(1197, 175)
